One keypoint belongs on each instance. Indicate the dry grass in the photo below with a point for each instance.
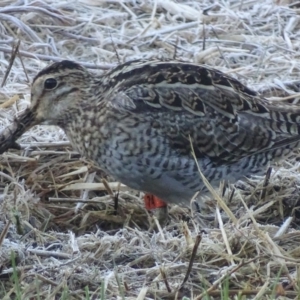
(57, 216)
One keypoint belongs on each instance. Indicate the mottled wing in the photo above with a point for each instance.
(225, 120)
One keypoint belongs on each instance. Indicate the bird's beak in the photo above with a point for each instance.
(10, 134)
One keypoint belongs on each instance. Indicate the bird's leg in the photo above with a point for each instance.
(153, 202)
(158, 207)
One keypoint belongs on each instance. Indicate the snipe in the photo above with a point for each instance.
(136, 122)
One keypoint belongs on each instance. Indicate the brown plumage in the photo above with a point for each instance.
(136, 122)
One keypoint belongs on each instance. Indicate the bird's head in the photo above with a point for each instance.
(55, 92)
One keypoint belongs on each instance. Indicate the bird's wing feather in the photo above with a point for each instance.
(225, 120)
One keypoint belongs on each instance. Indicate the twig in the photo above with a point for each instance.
(165, 280)
(14, 52)
(4, 232)
(192, 259)
(265, 184)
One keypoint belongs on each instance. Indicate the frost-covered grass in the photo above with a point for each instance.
(61, 239)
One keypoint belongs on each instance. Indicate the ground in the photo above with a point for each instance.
(63, 237)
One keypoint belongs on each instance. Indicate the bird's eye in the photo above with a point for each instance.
(50, 84)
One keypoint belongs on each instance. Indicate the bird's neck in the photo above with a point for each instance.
(82, 126)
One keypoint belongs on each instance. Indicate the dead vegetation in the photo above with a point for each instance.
(68, 236)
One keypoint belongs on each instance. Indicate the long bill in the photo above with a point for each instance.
(11, 133)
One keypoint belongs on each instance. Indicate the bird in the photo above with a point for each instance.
(151, 124)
